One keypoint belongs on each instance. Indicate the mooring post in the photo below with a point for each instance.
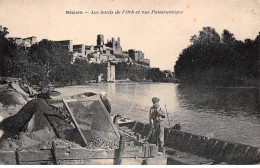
(54, 154)
(121, 150)
(17, 156)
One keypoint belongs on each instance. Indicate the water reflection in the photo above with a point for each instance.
(111, 89)
(228, 101)
(225, 113)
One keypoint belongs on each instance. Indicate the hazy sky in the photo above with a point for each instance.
(161, 37)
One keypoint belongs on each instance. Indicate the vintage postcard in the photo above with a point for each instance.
(129, 82)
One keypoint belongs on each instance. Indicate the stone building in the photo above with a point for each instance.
(147, 61)
(66, 44)
(89, 49)
(138, 56)
(111, 73)
(17, 40)
(79, 49)
(100, 40)
(102, 53)
(32, 40)
(94, 60)
(120, 59)
(104, 57)
(26, 42)
(125, 53)
(115, 45)
(133, 54)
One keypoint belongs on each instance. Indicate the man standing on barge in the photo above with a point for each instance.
(156, 117)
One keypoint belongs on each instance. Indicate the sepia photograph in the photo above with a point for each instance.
(130, 82)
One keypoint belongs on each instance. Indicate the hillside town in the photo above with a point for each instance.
(100, 53)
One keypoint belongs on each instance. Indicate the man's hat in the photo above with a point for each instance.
(102, 94)
(155, 100)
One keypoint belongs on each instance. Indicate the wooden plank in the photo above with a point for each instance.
(128, 135)
(133, 153)
(159, 160)
(74, 162)
(149, 134)
(101, 162)
(44, 162)
(55, 158)
(153, 150)
(145, 150)
(120, 151)
(8, 157)
(29, 155)
(75, 122)
(83, 154)
(150, 150)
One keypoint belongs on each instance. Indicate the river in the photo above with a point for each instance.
(231, 114)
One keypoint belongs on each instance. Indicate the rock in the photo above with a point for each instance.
(19, 122)
(11, 102)
(11, 97)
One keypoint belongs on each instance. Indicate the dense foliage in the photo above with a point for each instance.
(219, 60)
(12, 58)
(139, 73)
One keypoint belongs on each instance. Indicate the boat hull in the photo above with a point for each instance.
(217, 150)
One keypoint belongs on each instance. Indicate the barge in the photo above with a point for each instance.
(190, 149)
(120, 141)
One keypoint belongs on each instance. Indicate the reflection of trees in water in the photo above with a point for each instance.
(230, 101)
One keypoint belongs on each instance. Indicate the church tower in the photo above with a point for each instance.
(100, 40)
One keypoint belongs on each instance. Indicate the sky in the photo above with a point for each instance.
(161, 37)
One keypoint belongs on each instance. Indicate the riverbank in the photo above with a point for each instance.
(254, 83)
(117, 82)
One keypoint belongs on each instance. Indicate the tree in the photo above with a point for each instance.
(208, 36)
(227, 38)
(51, 57)
(13, 60)
(218, 61)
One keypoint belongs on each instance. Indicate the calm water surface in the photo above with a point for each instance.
(231, 114)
